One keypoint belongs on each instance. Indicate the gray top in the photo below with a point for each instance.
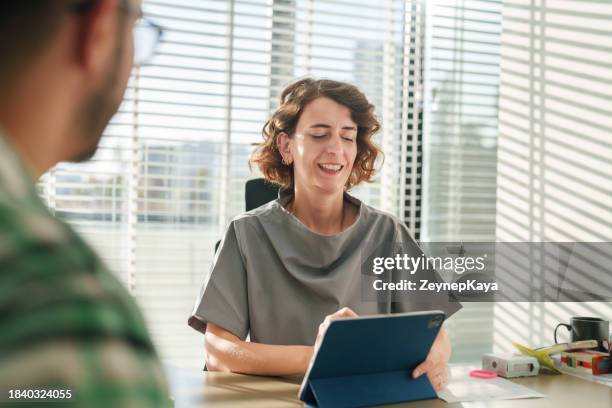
(276, 280)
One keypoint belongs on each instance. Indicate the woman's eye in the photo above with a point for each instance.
(348, 139)
(318, 136)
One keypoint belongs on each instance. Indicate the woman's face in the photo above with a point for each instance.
(323, 148)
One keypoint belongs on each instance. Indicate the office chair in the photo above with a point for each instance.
(258, 192)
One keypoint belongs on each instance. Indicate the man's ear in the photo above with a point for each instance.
(283, 143)
(97, 40)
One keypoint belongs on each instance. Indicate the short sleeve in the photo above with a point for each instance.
(420, 300)
(223, 298)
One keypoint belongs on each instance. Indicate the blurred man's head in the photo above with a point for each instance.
(82, 52)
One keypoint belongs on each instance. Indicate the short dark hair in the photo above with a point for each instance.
(26, 27)
(293, 100)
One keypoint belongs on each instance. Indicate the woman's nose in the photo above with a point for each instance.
(334, 145)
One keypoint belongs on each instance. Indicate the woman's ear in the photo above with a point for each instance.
(283, 142)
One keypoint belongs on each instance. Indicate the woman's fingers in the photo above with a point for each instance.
(344, 312)
(436, 370)
(421, 369)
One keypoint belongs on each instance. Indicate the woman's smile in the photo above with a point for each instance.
(331, 169)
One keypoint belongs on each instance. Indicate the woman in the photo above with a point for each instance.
(285, 269)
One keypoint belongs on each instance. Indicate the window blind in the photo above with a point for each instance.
(172, 164)
(462, 56)
(555, 142)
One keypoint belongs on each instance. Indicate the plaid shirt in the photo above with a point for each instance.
(66, 322)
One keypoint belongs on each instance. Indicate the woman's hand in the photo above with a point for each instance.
(436, 363)
(344, 312)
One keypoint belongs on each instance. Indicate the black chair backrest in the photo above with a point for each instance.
(258, 192)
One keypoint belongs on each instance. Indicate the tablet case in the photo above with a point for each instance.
(369, 361)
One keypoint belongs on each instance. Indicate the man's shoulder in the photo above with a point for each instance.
(52, 279)
(64, 310)
(23, 227)
(36, 245)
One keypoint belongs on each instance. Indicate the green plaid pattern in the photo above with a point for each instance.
(65, 321)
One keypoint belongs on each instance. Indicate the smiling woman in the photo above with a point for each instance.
(286, 268)
(317, 144)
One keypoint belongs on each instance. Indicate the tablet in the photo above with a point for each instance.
(368, 360)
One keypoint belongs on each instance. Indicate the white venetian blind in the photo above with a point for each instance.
(555, 143)
(172, 164)
(459, 143)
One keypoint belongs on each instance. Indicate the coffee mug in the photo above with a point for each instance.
(588, 328)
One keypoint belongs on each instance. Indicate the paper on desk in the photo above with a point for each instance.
(463, 388)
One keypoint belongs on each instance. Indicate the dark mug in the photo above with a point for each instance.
(588, 328)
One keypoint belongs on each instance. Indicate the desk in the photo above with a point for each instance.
(195, 389)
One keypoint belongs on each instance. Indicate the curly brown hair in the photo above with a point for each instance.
(293, 100)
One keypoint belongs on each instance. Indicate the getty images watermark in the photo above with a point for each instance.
(412, 264)
(488, 271)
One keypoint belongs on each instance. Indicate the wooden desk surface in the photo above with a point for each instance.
(195, 389)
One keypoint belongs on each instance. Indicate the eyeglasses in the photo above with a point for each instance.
(147, 34)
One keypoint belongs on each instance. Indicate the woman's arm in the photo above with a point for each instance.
(224, 351)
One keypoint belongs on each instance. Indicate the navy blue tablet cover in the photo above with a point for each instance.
(369, 360)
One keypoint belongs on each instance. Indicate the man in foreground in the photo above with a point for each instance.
(66, 323)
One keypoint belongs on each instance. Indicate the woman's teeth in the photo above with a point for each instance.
(332, 167)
